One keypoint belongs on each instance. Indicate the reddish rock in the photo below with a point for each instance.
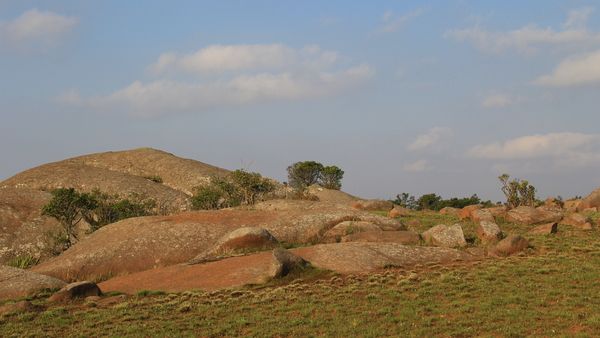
(283, 262)
(529, 215)
(414, 223)
(592, 209)
(351, 227)
(489, 232)
(571, 205)
(512, 244)
(398, 212)
(591, 201)
(373, 205)
(18, 307)
(465, 213)
(545, 229)
(449, 237)
(76, 290)
(480, 215)
(576, 220)
(552, 204)
(330, 239)
(384, 236)
(426, 235)
(450, 210)
(498, 211)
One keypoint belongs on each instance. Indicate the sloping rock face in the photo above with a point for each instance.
(332, 196)
(23, 231)
(142, 243)
(350, 227)
(591, 201)
(373, 205)
(528, 215)
(16, 282)
(384, 236)
(177, 173)
(84, 178)
(236, 271)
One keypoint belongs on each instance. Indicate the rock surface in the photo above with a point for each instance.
(284, 262)
(577, 220)
(142, 243)
(512, 244)
(489, 232)
(591, 201)
(480, 215)
(529, 215)
(76, 290)
(384, 236)
(373, 205)
(17, 307)
(445, 236)
(236, 271)
(465, 213)
(351, 227)
(544, 229)
(16, 282)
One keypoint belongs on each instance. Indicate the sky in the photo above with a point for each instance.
(404, 96)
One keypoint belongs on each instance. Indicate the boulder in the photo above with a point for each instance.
(512, 244)
(414, 223)
(398, 212)
(331, 196)
(592, 209)
(450, 210)
(528, 215)
(577, 220)
(465, 213)
(544, 229)
(384, 236)
(480, 215)
(373, 205)
(16, 282)
(239, 240)
(552, 204)
(489, 232)
(83, 178)
(498, 211)
(344, 258)
(571, 205)
(445, 236)
(283, 262)
(23, 230)
(76, 290)
(351, 227)
(591, 201)
(143, 243)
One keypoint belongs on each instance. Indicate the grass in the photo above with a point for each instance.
(550, 290)
(23, 262)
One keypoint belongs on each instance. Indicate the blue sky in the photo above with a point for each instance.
(419, 97)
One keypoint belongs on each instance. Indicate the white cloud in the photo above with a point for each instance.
(240, 76)
(36, 30)
(575, 70)
(564, 149)
(432, 140)
(420, 165)
(394, 22)
(530, 38)
(495, 99)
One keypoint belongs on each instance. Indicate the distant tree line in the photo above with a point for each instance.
(435, 202)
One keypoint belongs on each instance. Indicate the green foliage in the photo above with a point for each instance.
(68, 207)
(434, 202)
(154, 178)
(304, 174)
(136, 207)
(23, 262)
(236, 188)
(518, 193)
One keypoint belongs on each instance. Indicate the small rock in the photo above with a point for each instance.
(414, 223)
(489, 232)
(351, 227)
(545, 229)
(283, 262)
(465, 213)
(477, 252)
(76, 290)
(450, 210)
(576, 220)
(528, 215)
(20, 306)
(398, 212)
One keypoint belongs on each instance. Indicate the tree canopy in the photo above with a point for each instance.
(304, 174)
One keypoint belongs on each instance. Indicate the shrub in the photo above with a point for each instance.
(69, 208)
(518, 193)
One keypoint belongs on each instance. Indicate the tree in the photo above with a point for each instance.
(68, 207)
(405, 201)
(428, 201)
(331, 177)
(518, 193)
(304, 174)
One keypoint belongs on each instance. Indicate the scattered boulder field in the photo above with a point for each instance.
(210, 250)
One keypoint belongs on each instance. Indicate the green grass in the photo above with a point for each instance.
(550, 290)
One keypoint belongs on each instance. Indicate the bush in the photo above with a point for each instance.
(518, 193)
(236, 188)
(304, 174)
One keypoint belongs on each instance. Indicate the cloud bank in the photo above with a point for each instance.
(36, 31)
(232, 76)
(434, 140)
(576, 70)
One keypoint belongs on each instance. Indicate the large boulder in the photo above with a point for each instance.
(445, 236)
(509, 245)
(23, 230)
(351, 227)
(528, 215)
(283, 263)
(591, 201)
(374, 204)
(489, 232)
(578, 220)
(142, 243)
(344, 258)
(481, 215)
(465, 213)
(83, 178)
(331, 196)
(16, 282)
(384, 236)
(76, 290)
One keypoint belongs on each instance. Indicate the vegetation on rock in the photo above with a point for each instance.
(304, 174)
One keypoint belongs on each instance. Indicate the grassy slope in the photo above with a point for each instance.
(552, 289)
